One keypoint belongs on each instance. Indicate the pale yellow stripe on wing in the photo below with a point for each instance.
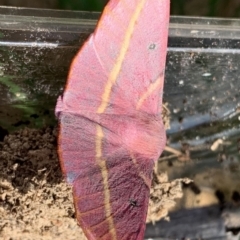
(102, 164)
(150, 90)
(118, 64)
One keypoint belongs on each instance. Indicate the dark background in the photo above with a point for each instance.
(212, 8)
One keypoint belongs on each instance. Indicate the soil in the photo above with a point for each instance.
(35, 201)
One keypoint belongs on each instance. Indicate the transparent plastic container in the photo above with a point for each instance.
(201, 86)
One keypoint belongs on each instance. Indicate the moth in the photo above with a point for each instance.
(111, 130)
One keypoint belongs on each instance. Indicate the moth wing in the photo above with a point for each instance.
(111, 193)
(121, 66)
(114, 83)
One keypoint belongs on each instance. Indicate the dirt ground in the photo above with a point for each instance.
(36, 203)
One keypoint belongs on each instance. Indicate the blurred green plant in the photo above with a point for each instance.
(211, 8)
(86, 5)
